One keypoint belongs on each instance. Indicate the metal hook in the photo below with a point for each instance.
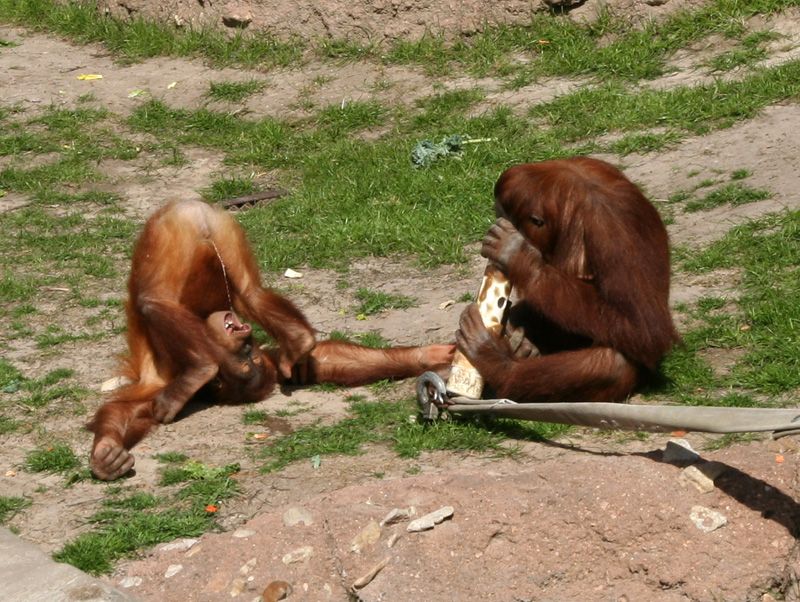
(431, 395)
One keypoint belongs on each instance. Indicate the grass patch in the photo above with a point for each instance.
(733, 193)
(254, 417)
(382, 422)
(137, 39)
(56, 458)
(373, 302)
(234, 91)
(764, 322)
(10, 506)
(127, 524)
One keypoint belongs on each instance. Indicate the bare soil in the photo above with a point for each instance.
(589, 517)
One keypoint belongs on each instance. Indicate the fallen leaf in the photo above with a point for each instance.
(172, 85)
(89, 76)
(211, 508)
(779, 458)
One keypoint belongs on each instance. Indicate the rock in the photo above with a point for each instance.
(298, 555)
(173, 570)
(398, 514)
(178, 544)
(243, 533)
(706, 519)
(130, 582)
(248, 566)
(368, 536)
(237, 15)
(679, 451)
(563, 3)
(694, 476)
(430, 520)
(365, 579)
(295, 515)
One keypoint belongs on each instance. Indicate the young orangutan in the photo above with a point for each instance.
(192, 275)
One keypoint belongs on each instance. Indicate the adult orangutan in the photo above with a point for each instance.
(588, 257)
(192, 273)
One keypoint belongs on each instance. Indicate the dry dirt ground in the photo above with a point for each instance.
(588, 517)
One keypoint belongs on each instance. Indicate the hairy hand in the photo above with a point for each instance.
(503, 243)
(294, 355)
(476, 342)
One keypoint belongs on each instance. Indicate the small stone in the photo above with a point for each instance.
(237, 587)
(173, 570)
(430, 520)
(706, 519)
(368, 536)
(396, 515)
(298, 555)
(679, 451)
(447, 304)
(237, 15)
(195, 550)
(297, 515)
(130, 582)
(694, 476)
(243, 533)
(247, 566)
(367, 578)
(178, 544)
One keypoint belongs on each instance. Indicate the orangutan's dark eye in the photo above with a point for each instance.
(536, 220)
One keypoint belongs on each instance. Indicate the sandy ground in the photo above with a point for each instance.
(589, 517)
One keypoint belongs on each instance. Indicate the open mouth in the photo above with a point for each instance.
(233, 326)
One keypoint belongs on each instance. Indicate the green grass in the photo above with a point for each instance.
(747, 53)
(57, 458)
(254, 416)
(732, 194)
(138, 39)
(764, 322)
(234, 91)
(10, 506)
(127, 524)
(373, 302)
(385, 422)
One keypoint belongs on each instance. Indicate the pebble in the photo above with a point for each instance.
(243, 533)
(173, 570)
(298, 555)
(430, 520)
(679, 451)
(179, 544)
(130, 582)
(368, 536)
(295, 515)
(398, 514)
(706, 519)
(694, 476)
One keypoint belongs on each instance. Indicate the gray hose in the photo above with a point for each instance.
(656, 418)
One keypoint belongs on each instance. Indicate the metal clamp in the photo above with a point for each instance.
(431, 395)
